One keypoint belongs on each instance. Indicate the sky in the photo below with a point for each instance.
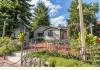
(58, 10)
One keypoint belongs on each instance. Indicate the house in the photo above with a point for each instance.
(50, 33)
(97, 29)
(98, 22)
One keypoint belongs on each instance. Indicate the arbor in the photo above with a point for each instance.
(89, 11)
(40, 15)
(17, 14)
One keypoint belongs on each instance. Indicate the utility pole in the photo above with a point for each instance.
(82, 31)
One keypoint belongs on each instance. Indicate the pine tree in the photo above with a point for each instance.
(41, 16)
(18, 14)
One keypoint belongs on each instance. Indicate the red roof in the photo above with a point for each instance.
(98, 22)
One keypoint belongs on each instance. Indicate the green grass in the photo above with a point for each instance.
(60, 60)
(63, 62)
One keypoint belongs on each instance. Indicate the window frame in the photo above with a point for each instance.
(50, 33)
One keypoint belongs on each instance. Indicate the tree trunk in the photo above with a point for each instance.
(4, 28)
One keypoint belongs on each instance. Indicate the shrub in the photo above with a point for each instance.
(7, 46)
(91, 40)
(21, 36)
(17, 48)
(52, 63)
(4, 41)
(74, 42)
(2, 53)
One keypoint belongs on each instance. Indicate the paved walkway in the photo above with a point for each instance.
(7, 63)
(11, 61)
(16, 57)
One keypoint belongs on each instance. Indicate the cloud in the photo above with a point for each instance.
(53, 8)
(58, 20)
(33, 2)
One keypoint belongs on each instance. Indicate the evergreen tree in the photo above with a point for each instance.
(18, 13)
(40, 15)
(89, 13)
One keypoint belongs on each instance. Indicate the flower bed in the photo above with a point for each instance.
(55, 59)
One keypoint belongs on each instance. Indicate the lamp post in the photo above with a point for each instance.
(82, 31)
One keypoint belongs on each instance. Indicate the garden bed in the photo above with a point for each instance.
(57, 59)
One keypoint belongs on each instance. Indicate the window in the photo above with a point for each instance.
(61, 34)
(50, 33)
(40, 34)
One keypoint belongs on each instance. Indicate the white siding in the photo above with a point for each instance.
(45, 30)
(39, 30)
(56, 34)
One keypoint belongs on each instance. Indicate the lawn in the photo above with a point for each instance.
(59, 60)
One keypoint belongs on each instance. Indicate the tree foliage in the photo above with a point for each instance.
(15, 13)
(40, 15)
(90, 39)
(89, 13)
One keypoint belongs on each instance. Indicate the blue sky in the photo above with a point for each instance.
(58, 10)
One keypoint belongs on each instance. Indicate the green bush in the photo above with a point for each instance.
(4, 41)
(2, 53)
(90, 40)
(7, 46)
(74, 42)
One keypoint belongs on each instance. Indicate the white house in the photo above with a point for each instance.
(50, 33)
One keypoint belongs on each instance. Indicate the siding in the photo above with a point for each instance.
(56, 34)
(38, 30)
